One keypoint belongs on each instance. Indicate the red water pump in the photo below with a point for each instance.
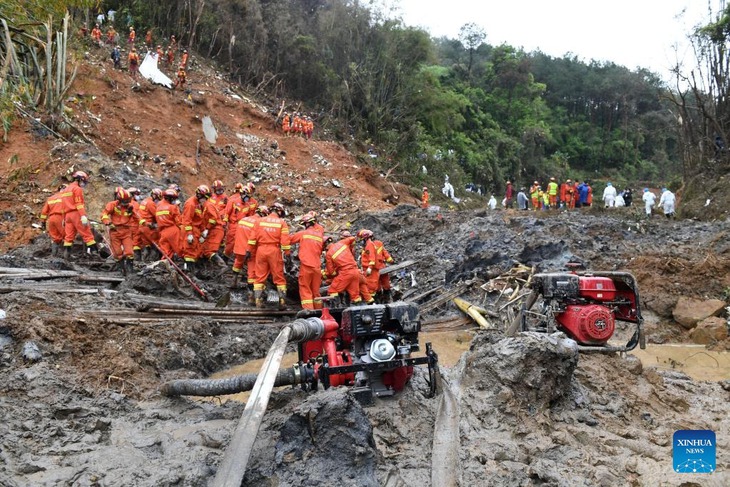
(369, 348)
(585, 306)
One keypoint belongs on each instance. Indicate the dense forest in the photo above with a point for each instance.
(462, 107)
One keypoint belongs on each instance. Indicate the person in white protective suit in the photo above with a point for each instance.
(649, 199)
(619, 201)
(667, 202)
(609, 195)
(492, 203)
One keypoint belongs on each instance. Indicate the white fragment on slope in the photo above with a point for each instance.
(148, 69)
(211, 134)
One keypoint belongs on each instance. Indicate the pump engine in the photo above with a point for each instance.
(585, 306)
(368, 348)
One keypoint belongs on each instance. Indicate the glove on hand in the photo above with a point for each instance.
(190, 238)
(205, 234)
(153, 226)
(85, 221)
(369, 271)
(201, 239)
(247, 257)
(112, 227)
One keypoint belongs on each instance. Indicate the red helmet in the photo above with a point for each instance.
(124, 196)
(238, 188)
(279, 208)
(364, 234)
(117, 190)
(203, 190)
(156, 193)
(310, 217)
(262, 210)
(250, 188)
(171, 192)
(81, 176)
(218, 184)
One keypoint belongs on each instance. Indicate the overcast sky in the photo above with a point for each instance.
(631, 33)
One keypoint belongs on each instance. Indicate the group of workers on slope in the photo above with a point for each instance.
(297, 124)
(133, 57)
(253, 236)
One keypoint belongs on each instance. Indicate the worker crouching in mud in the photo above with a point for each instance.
(119, 217)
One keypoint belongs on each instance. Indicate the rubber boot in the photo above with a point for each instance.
(259, 298)
(217, 260)
(146, 254)
(282, 300)
(54, 249)
(67, 252)
(387, 296)
(251, 296)
(122, 266)
(234, 284)
(130, 266)
(138, 255)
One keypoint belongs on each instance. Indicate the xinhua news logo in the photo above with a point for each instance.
(694, 451)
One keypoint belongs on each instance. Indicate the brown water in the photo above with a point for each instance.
(694, 360)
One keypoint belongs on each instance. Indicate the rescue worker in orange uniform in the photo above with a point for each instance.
(75, 220)
(382, 260)
(341, 268)
(132, 36)
(286, 124)
(311, 244)
(96, 35)
(168, 218)
(52, 216)
(424, 198)
(119, 217)
(271, 238)
(232, 213)
(184, 59)
(249, 201)
(148, 234)
(566, 193)
(111, 36)
(136, 198)
(245, 251)
(181, 78)
(192, 226)
(148, 39)
(170, 56)
(160, 55)
(367, 260)
(133, 60)
(212, 232)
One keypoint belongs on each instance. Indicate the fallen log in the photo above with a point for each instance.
(397, 267)
(226, 312)
(472, 311)
(48, 289)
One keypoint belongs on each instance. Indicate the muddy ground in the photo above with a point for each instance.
(531, 410)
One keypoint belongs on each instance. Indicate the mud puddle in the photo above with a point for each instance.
(694, 360)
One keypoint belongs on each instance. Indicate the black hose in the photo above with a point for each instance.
(221, 387)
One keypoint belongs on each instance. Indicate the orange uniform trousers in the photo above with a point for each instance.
(73, 227)
(373, 281)
(269, 262)
(122, 242)
(230, 238)
(310, 280)
(347, 280)
(54, 226)
(213, 242)
(169, 241)
(190, 251)
(238, 264)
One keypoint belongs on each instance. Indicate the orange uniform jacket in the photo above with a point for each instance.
(311, 241)
(245, 234)
(424, 199)
(271, 237)
(124, 220)
(146, 212)
(341, 266)
(167, 216)
(213, 222)
(74, 209)
(192, 224)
